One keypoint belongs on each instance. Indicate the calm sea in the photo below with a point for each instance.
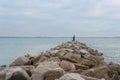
(11, 48)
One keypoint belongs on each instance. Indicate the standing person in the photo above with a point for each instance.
(73, 38)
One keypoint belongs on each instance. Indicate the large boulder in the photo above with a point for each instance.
(28, 68)
(98, 72)
(19, 61)
(39, 72)
(72, 57)
(67, 66)
(53, 74)
(16, 74)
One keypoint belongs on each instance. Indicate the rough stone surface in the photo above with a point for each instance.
(72, 57)
(16, 74)
(67, 66)
(54, 74)
(39, 72)
(19, 61)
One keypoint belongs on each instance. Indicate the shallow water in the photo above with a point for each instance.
(11, 48)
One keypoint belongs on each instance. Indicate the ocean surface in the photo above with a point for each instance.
(11, 48)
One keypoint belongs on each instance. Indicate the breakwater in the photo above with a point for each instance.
(69, 61)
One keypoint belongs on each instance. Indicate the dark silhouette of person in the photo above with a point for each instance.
(73, 38)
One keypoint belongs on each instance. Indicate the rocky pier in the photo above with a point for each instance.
(69, 61)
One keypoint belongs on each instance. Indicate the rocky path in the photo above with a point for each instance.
(68, 61)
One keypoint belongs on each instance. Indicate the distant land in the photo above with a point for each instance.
(51, 37)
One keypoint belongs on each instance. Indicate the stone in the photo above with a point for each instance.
(39, 72)
(75, 76)
(60, 54)
(67, 66)
(83, 51)
(72, 57)
(98, 72)
(71, 76)
(19, 61)
(2, 73)
(16, 74)
(31, 56)
(28, 68)
(88, 63)
(79, 66)
(55, 59)
(53, 74)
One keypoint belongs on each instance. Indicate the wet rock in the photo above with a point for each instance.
(72, 57)
(16, 74)
(67, 66)
(39, 72)
(19, 61)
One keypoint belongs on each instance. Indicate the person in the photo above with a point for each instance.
(73, 38)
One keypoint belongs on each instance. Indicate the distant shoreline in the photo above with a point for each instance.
(59, 37)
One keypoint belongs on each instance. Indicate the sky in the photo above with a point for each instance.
(60, 18)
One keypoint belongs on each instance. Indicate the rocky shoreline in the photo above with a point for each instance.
(69, 61)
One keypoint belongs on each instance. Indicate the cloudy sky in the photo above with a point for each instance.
(84, 18)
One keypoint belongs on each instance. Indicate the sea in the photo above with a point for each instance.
(12, 48)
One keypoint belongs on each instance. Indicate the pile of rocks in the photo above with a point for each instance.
(68, 61)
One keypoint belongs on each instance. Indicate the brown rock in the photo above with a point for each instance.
(72, 57)
(88, 63)
(54, 74)
(19, 61)
(16, 74)
(79, 66)
(39, 72)
(29, 68)
(100, 72)
(67, 66)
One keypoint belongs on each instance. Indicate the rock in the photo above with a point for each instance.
(2, 73)
(88, 63)
(79, 66)
(39, 60)
(55, 59)
(19, 61)
(98, 72)
(75, 76)
(39, 72)
(60, 54)
(67, 66)
(71, 76)
(83, 51)
(31, 56)
(3, 66)
(72, 57)
(16, 74)
(29, 68)
(54, 74)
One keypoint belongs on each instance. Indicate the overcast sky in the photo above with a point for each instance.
(84, 18)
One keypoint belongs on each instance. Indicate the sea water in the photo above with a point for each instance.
(11, 48)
